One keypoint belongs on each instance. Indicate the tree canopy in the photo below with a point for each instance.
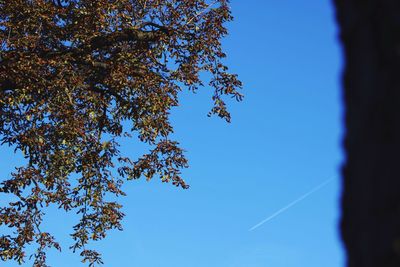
(73, 74)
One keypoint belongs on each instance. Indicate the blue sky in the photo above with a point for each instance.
(284, 139)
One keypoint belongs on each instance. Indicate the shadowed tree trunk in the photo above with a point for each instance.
(370, 223)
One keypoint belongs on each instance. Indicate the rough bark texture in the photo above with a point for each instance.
(370, 223)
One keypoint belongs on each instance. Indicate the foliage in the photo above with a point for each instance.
(72, 73)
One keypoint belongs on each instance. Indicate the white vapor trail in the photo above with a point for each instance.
(291, 204)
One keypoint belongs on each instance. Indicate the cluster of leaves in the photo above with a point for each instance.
(71, 73)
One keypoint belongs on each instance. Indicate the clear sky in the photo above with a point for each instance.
(284, 140)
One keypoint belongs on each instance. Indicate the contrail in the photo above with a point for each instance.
(315, 189)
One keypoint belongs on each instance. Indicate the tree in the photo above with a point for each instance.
(370, 225)
(72, 74)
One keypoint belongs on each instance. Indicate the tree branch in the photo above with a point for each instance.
(98, 42)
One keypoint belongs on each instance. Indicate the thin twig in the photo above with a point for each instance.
(9, 34)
